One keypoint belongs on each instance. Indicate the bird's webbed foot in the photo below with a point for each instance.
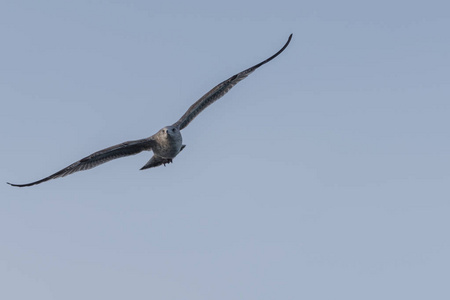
(168, 161)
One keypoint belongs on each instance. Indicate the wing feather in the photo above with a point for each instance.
(98, 158)
(219, 90)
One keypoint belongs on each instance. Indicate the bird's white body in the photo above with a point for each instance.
(168, 142)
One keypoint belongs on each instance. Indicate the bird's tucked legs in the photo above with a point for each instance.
(169, 160)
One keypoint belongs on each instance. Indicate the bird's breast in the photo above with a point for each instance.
(168, 146)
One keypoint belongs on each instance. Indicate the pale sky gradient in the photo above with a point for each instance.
(323, 175)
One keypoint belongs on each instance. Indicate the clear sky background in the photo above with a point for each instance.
(323, 175)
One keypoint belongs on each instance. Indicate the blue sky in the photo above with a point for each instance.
(323, 175)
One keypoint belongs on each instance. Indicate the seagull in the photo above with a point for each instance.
(166, 144)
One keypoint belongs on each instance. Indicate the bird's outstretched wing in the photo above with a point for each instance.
(98, 158)
(219, 90)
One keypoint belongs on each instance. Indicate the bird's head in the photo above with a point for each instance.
(171, 131)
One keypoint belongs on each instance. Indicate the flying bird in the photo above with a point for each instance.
(166, 144)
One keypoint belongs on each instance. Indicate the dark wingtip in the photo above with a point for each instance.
(272, 57)
(21, 185)
(289, 39)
